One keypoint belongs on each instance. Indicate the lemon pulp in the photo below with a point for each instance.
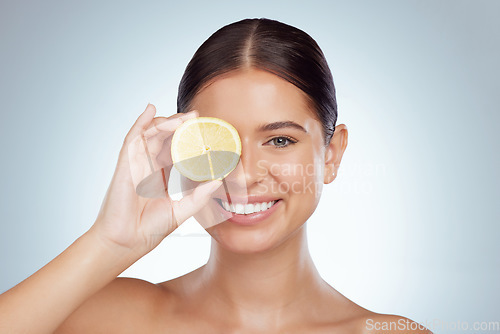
(205, 148)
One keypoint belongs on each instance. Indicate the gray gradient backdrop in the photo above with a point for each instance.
(411, 225)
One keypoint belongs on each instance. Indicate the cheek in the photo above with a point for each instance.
(299, 174)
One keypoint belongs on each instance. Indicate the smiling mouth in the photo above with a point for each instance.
(245, 209)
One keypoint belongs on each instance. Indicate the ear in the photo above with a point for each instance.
(334, 152)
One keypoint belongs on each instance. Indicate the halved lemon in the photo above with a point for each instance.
(205, 148)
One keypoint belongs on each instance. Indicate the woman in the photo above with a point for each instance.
(272, 83)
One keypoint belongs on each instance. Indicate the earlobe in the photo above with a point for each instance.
(334, 152)
(330, 170)
(330, 174)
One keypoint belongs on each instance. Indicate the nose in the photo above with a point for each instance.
(250, 170)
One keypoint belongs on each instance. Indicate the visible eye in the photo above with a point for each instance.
(282, 141)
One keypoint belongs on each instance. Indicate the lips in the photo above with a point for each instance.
(248, 208)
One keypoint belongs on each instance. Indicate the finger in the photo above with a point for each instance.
(164, 156)
(148, 158)
(166, 128)
(142, 122)
(138, 160)
(158, 145)
(150, 170)
(195, 201)
(170, 124)
(149, 148)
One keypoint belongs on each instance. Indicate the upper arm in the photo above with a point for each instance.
(123, 306)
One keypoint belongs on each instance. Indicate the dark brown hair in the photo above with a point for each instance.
(269, 45)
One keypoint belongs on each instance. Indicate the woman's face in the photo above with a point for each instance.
(284, 161)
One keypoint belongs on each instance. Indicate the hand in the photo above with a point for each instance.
(135, 222)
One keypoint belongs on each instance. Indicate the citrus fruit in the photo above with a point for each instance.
(205, 148)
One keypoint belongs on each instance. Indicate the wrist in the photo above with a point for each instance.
(123, 255)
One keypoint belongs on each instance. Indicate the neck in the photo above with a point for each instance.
(266, 282)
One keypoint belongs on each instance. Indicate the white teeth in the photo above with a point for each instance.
(240, 209)
(249, 209)
(246, 208)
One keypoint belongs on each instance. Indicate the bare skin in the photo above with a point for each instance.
(258, 279)
(262, 279)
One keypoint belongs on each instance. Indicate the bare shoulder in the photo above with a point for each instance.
(390, 323)
(125, 305)
(352, 318)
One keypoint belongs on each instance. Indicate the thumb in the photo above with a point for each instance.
(195, 201)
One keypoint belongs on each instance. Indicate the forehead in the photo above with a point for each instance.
(252, 95)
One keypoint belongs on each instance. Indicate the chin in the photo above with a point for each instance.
(241, 241)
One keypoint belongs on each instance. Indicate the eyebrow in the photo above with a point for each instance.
(280, 125)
